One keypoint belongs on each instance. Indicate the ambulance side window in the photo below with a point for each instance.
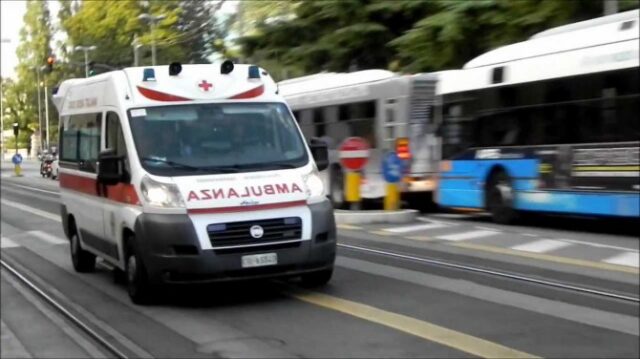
(114, 136)
(81, 140)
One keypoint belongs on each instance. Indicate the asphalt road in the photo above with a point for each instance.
(376, 305)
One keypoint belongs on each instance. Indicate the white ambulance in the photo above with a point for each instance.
(191, 174)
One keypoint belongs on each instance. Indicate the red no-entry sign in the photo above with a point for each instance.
(354, 153)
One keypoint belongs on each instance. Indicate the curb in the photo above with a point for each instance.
(377, 216)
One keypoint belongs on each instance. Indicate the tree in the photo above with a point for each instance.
(34, 48)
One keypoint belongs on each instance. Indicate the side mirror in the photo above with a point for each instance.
(320, 153)
(110, 168)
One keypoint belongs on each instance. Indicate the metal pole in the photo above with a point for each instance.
(610, 7)
(39, 108)
(1, 121)
(46, 109)
(86, 62)
(153, 42)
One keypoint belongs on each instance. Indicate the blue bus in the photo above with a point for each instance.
(546, 125)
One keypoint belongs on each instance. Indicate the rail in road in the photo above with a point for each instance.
(391, 296)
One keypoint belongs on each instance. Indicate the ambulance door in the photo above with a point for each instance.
(86, 205)
(114, 196)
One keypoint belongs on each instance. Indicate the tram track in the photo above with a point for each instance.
(104, 341)
(495, 273)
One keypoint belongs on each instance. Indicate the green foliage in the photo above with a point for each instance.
(407, 35)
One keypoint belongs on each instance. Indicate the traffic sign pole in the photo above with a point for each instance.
(392, 170)
(392, 198)
(354, 154)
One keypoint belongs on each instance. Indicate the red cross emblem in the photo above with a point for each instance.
(204, 85)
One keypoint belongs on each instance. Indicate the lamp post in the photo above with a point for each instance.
(153, 21)
(86, 50)
(4, 41)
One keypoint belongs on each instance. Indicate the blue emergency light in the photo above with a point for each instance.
(149, 75)
(254, 72)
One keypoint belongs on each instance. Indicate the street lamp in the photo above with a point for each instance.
(153, 20)
(4, 41)
(86, 50)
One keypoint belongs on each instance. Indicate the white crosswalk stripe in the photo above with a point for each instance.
(541, 246)
(468, 235)
(629, 259)
(415, 227)
(7, 243)
(48, 237)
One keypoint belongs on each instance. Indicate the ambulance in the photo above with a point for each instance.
(191, 174)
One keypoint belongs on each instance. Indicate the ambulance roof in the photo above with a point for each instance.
(153, 85)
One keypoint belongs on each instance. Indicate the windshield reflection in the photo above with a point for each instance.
(216, 138)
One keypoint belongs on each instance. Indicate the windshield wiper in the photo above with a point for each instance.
(171, 163)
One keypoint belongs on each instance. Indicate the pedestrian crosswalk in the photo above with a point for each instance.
(428, 229)
(39, 236)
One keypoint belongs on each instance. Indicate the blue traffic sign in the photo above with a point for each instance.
(392, 168)
(16, 159)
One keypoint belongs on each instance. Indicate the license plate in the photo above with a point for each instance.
(259, 260)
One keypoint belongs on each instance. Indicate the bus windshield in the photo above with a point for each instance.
(216, 138)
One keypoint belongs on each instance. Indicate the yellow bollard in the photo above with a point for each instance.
(352, 187)
(18, 170)
(392, 198)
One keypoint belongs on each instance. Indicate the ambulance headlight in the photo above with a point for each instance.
(158, 194)
(315, 187)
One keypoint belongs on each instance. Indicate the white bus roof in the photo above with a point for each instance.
(584, 34)
(604, 46)
(331, 80)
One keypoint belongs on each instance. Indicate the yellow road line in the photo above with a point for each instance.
(422, 329)
(606, 168)
(381, 233)
(347, 226)
(549, 258)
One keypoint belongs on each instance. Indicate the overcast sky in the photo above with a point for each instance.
(11, 21)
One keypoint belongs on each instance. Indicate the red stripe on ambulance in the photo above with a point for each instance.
(122, 192)
(160, 96)
(257, 207)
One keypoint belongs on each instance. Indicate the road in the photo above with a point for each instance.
(396, 292)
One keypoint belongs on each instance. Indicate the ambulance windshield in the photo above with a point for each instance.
(216, 138)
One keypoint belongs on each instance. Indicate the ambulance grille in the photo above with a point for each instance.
(239, 233)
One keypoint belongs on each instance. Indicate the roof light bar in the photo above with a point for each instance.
(149, 75)
(254, 72)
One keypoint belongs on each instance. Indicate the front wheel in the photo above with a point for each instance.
(316, 279)
(138, 286)
(500, 199)
(82, 260)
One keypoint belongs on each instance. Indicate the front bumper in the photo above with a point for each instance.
(170, 250)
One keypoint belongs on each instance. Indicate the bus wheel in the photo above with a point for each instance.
(499, 198)
(138, 285)
(337, 189)
(82, 260)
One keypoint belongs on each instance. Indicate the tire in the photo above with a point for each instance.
(337, 188)
(499, 198)
(316, 279)
(137, 281)
(82, 260)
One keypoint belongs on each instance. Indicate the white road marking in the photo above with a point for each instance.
(7, 243)
(415, 227)
(529, 235)
(31, 210)
(541, 246)
(468, 235)
(34, 189)
(629, 259)
(48, 237)
(600, 245)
